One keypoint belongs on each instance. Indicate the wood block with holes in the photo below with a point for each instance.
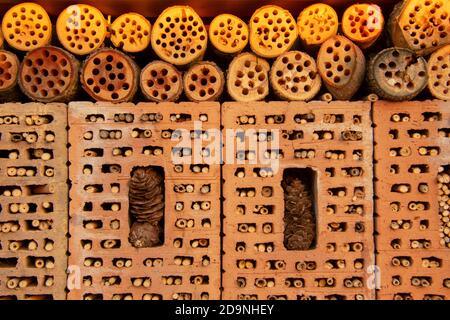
(33, 201)
(411, 145)
(186, 265)
(329, 148)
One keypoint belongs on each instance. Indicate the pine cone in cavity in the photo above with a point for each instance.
(299, 216)
(146, 205)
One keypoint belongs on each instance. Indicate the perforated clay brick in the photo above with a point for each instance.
(116, 139)
(411, 147)
(33, 193)
(324, 162)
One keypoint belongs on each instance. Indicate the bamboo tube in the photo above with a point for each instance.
(9, 64)
(49, 74)
(363, 24)
(294, 76)
(316, 24)
(204, 81)
(77, 18)
(247, 78)
(161, 81)
(279, 24)
(12, 283)
(190, 33)
(419, 25)
(130, 32)
(122, 81)
(438, 79)
(397, 74)
(341, 65)
(33, 23)
(228, 34)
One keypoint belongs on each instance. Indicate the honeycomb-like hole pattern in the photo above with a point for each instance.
(108, 75)
(294, 74)
(439, 73)
(363, 23)
(443, 186)
(272, 31)
(317, 23)
(161, 81)
(248, 78)
(46, 73)
(131, 32)
(203, 82)
(81, 28)
(337, 61)
(399, 72)
(228, 33)
(9, 67)
(425, 24)
(179, 36)
(27, 26)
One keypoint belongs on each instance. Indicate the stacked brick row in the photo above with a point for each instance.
(106, 143)
(33, 201)
(411, 144)
(335, 142)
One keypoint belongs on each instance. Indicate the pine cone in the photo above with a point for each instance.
(146, 203)
(299, 216)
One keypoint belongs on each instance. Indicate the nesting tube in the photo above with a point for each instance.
(131, 32)
(248, 78)
(294, 76)
(204, 81)
(397, 74)
(81, 29)
(342, 66)
(110, 75)
(228, 34)
(160, 81)
(33, 25)
(438, 74)
(363, 24)
(49, 74)
(9, 69)
(272, 31)
(179, 36)
(316, 24)
(421, 26)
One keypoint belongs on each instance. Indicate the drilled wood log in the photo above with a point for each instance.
(146, 198)
(397, 74)
(439, 73)
(248, 78)
(272, 31)
(179, 36)
(131, 32)
(228, 34)
(9, 69)
(421, 26)
(81, 29)
(342, 66)
(294, 76)
(204, 81)
(316, 24)
(363, 24)
(49, 74)
(160, 81)
(33, 24)
(110, 75)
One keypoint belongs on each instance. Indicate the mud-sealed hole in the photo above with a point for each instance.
(299, 187)
(146, 206)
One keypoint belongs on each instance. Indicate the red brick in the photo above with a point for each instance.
(78, 126)
(230, 114)
(382, 113)
(57, 233)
